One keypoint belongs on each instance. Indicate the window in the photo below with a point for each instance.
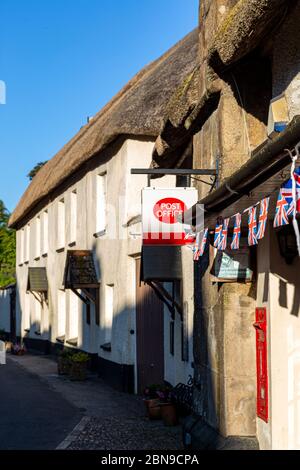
(73, 215)
(27, 244)
(21, 246)
(38, 316)
(61, 314)
(61, 226)
(45, 233)
(73, 315)
(26, 313)
(109, 311)
(101, 203)
(38, 237)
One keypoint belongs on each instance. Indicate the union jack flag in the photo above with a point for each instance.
(197, 247)
(287, 192)
(235, 244)
(203, 242)
(263, 217)
(282, 208)
(224, 234)
(200, 244)
(252, 227)
(218, 233)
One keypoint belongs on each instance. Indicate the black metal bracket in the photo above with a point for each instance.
(166, 298)
(178, 172)
(89, 297)
(41, 297)
(83, 299)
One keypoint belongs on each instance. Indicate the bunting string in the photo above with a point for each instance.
(287, 207)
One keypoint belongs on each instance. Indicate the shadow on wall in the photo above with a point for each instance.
(287, 275)
(204, 398)
(108, 335)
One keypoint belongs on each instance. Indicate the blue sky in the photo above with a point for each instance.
(62, 60)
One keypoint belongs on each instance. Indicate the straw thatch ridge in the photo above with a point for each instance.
(245, 26)
(187, 115)
(243, 29)
(138, 109)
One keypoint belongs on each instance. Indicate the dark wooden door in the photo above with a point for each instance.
(149, 334)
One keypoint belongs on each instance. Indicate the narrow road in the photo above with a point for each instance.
(32, 415)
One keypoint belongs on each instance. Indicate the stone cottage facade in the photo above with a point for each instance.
(248, 55)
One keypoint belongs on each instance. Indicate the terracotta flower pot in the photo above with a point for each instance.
(78, 371)
(63, 366)
(169, 414)
(153, 408)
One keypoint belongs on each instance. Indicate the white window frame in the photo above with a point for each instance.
(27, 244)
(21, 246)
(37, 246)
(109, 311)
(61, 224)
(45, 243)
(73, 217)
(101, 204)
(73, 316)
(61, 313)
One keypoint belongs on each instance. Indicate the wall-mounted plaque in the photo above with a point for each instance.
(231, 266)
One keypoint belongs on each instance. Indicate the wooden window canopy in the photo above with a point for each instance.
(37, 280)
(80, 274)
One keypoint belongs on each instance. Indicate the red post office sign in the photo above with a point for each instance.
(262, 364)
(162, 213)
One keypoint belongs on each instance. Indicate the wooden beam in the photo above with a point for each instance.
(83, 299)
(90, 296)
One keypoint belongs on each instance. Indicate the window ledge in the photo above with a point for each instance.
(100, 234)
(72, 341)
(60, 250)
(27, 330)
(37, 258)
(106, 347)
(61, 339)
(44, 255)
(71, 244)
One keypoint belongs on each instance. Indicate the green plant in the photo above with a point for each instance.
(159, 391)
(65, 354)
(7, 249)
(80, 358)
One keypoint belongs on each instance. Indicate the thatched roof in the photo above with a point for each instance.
(138, 110)
(186, 115)
(243, 29)
(245, 26)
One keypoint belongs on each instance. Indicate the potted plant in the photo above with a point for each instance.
(64, 362)
(18, 349)
(78, 370)
(151, 401)
(167, 406)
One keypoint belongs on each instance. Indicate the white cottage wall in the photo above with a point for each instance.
(115, 250)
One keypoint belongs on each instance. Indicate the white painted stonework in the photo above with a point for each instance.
(92, 214)
(277, 283)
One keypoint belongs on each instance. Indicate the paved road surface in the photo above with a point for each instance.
(32, 415)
